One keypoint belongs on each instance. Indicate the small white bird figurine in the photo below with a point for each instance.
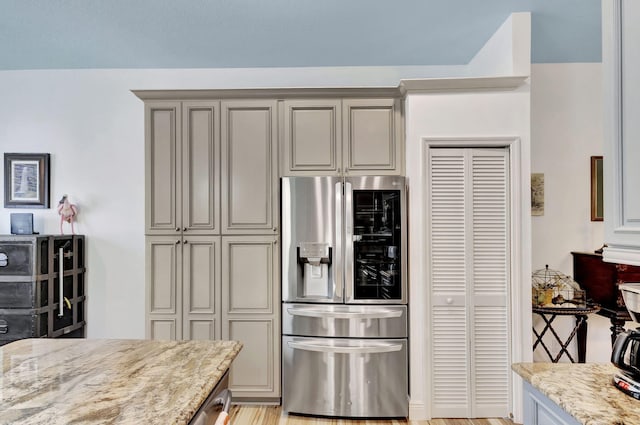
(68, 212)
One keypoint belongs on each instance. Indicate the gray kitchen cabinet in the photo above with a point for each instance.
(312, 136)
(249, 167)
(201, 288)
(182, 167)
(540, 410)
(621, 66)
(251, 314)
(342, 136)
(183, 287)
(163, 265)
(372, 136)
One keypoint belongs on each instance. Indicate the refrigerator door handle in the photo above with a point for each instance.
(337, 270)
(348, 242)
(364, 349)
(324, 314)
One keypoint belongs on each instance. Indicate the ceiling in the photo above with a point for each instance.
(74, 34)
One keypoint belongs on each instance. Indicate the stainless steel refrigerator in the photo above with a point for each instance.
(344, 294)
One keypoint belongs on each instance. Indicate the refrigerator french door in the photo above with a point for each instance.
(344, 320)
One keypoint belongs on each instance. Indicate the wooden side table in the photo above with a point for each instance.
(549, 314)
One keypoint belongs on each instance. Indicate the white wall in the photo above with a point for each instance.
(93, 128)
(566, 130)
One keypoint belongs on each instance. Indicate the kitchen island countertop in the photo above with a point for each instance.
(584, 390)
(65, 381)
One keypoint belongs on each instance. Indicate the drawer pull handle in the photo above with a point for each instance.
(4, 327)
(345, 349)
(324, 314)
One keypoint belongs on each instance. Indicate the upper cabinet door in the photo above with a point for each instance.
(201, 167)
(621, 66)
(312, 137)
(249, 166)
(163, 167)
(372, 136)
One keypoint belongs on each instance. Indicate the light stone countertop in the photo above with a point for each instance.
(85, 381)
(584, 390)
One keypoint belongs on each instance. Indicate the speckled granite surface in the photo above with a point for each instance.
(584, 390)
(83, 381)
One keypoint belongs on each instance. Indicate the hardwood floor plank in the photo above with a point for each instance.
(271, 415)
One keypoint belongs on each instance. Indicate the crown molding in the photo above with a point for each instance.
(461, 84)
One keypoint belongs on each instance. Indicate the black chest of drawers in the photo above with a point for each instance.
(601, 280)
(42, 287)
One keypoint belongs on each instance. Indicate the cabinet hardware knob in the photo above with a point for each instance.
(275, 229)
(185, 229)
(177, 229)
(185, 241)
(178, 241)
(449, 300)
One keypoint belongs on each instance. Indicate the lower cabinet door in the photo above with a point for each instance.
(540, 410)
(345, 377)
(251, 314)
(255, 373)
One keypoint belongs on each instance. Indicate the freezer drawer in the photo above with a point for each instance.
(345, 377)
(350, 321)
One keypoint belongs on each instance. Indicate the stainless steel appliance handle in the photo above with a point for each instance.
(337, 270)
(224, 399)
(61, 280)
(348, 242)
(382, 313)
(364, 349)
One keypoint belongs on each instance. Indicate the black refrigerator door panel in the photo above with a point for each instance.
(375, 240)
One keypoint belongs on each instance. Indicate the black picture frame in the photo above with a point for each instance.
(597, 202)
(26, 180)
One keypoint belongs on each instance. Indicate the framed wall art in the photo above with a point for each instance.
(597, 202)
(26, 180)
(537, 194)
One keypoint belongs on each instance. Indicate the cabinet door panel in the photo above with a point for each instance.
(250, 274)
(620, 65)
(312, 136)
(163, 258)
(256, 370)
(201, 169)
(201, 285)
(371, 136)
(162, 157)
(630, 110)
(249, 171)
(162, 328)
(196, 329)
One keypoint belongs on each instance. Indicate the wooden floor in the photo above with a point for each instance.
(270, 415)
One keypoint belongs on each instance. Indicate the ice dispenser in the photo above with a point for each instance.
(314, 260)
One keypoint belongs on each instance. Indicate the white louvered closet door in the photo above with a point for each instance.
(469, 280)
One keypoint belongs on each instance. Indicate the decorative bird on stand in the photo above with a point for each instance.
(68, 212)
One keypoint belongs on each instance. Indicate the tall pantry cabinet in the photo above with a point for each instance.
(211, 181)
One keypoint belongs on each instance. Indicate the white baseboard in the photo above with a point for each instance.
(418, 411)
